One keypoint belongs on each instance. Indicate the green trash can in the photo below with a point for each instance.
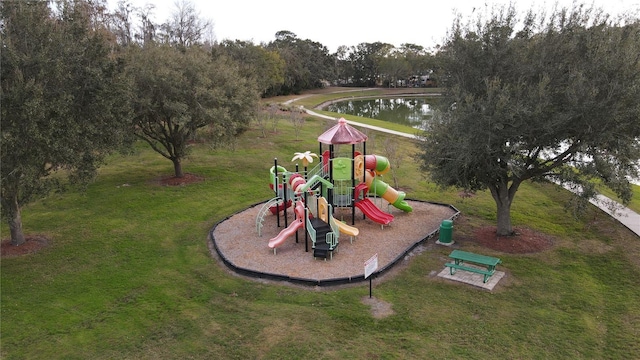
(446, 232)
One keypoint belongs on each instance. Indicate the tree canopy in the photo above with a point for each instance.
(181, 91)
(542, 98)
(265, 67)
(64, 100)
(307, 63)
(286, 65)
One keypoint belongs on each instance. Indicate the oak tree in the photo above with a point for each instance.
(64, 100)
(542, 98)
(264, 66)
(307, 64)
(178, 91)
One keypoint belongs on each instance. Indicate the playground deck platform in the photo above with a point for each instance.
(235, 242)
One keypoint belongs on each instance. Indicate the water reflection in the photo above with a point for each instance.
(410, 111)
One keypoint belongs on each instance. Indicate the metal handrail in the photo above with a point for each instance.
(263, 212)
(310, 229)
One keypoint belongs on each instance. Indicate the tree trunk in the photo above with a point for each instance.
(503, 196)
(15, 222)
(177, 168)
(504, 219)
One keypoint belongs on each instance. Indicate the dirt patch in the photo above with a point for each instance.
(33, 244)
(187, 179)
(523, 241)
(591, 246)
(380, 309)
(465, 194)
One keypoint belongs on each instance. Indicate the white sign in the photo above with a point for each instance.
(370, 266)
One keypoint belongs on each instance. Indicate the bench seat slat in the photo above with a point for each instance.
(486, 273)
(476, 258)
(469, 268)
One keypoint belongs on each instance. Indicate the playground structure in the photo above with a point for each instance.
(338, 181)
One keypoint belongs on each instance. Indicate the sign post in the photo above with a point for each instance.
(369, 267)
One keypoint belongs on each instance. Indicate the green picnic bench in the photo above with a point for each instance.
(460, 257)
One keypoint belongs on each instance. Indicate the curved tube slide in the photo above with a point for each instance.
(379, 165)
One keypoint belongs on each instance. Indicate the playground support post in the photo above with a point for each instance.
(292, 200)
(284, 193)
(353, 183)
(306, 217)
(275, 187)
(364, 156)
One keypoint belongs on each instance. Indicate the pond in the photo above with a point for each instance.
(410, 111)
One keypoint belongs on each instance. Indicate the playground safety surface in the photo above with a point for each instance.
(236, 243)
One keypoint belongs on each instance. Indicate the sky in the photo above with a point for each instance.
(350, 22)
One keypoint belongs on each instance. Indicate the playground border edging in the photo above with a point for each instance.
(325, 282)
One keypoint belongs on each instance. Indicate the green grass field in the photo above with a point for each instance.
(128, 275)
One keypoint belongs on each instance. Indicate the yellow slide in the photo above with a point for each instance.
(323, 214)
(346, 229)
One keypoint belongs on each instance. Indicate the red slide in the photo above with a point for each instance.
(373, 212)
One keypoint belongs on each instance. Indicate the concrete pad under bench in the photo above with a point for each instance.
(472, 278)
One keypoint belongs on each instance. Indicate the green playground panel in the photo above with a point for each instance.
(341, 168)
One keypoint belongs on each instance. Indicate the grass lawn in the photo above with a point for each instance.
(128, 275)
